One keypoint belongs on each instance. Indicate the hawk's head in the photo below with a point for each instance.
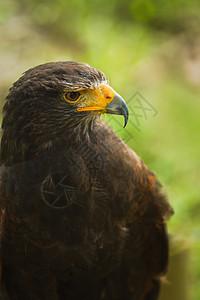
(55, 99)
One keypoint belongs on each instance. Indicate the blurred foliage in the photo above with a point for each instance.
(146, 46)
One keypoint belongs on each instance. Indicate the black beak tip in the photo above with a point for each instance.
(125, 118)
(125, 123)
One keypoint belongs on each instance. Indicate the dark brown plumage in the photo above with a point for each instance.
(82, 217)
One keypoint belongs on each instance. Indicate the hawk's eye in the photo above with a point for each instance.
(72, 96)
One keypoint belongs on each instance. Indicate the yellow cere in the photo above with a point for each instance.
(98, 98)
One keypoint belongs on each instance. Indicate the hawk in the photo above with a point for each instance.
(81, 215)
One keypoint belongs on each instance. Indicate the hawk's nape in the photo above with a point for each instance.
(81, 215)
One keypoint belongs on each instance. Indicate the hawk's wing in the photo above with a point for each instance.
(145, 252)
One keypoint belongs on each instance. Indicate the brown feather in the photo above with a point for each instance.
(82, 217)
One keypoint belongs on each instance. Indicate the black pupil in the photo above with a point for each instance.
(73, 95)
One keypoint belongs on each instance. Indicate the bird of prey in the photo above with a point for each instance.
(81, 215)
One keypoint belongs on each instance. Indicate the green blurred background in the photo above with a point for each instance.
(150, 51)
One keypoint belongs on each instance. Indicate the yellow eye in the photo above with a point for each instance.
(72, 96)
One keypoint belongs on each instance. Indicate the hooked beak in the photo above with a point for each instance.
(103, 99)
(118, 107)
